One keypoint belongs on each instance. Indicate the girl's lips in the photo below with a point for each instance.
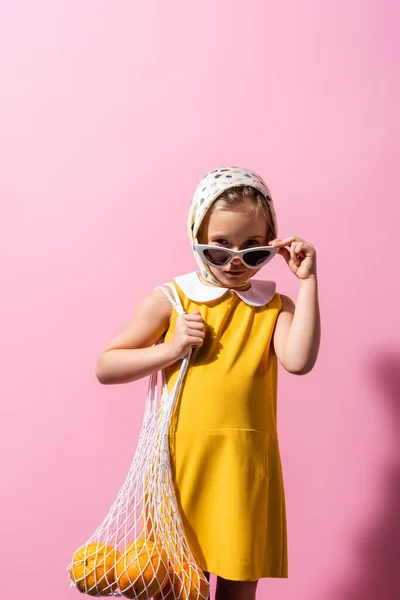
(234, 273)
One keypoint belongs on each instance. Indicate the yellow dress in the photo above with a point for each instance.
(223, 437)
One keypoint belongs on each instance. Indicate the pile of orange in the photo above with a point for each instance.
(141, 572)
(92, 569)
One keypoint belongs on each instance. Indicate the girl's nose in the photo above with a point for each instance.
(236, 260)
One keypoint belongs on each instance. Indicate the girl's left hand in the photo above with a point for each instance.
(300, 256)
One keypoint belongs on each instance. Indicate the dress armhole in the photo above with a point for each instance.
(279, 304)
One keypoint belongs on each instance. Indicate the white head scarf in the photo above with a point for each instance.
(210, 187)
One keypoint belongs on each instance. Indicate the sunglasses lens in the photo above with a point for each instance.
(217, 256)
(256, 257)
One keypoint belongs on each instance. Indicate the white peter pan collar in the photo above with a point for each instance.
(259, 294)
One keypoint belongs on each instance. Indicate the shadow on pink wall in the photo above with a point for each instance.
(378, 547)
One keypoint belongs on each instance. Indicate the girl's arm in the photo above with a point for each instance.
(298, 330)
(133, 355)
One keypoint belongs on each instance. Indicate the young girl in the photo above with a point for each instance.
(223, 438)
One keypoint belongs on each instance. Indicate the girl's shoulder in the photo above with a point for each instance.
(287, 304)
(155, 303)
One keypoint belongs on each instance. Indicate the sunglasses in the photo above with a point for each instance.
(253, 258)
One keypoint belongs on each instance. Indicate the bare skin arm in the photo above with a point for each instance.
(298, 330)
(133, 355)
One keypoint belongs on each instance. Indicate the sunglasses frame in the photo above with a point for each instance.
(201, 248)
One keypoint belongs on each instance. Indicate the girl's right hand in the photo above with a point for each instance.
(189, 332)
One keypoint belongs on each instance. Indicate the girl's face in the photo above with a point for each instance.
(236, 230)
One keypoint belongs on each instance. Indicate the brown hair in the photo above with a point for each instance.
(234, 198)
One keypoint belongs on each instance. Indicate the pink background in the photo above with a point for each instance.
(109, 115)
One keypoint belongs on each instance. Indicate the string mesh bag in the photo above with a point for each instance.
(140, 550)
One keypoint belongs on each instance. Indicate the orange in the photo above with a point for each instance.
(191, 587)
(186, 585)
(141, 570)
(92, 569)
(168, 589)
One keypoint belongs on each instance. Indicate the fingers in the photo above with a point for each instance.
(195, 316)
(297, 252)
(189, 333)
(195, 326)
(299, 248)
(278, 243)
(285, 253)
(291, 255)
(192, 327)
(194, 338)
(193, 321)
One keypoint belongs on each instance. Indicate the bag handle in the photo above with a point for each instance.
(174, 298)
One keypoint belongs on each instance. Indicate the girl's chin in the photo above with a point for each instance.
(233, 278)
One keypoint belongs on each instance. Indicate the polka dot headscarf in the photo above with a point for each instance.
(210, 187)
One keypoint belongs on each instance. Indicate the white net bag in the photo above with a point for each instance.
(140, 550)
